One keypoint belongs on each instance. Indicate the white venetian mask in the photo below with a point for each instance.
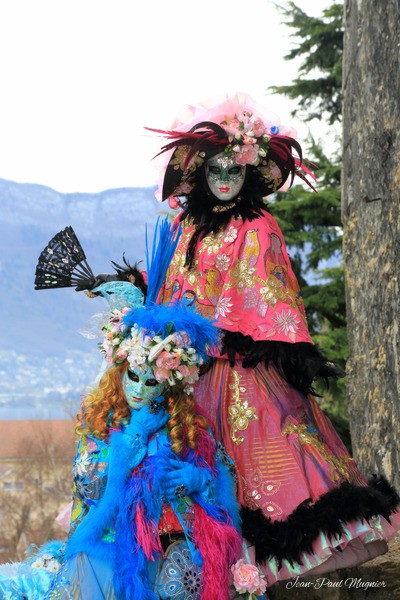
(225, 178)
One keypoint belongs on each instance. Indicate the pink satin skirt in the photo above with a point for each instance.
(286, 451)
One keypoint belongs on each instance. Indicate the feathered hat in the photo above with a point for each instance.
(240, 129)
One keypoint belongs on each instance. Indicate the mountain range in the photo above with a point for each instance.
(45, 364)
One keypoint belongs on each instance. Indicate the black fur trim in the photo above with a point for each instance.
(290, 538)
(299, 364)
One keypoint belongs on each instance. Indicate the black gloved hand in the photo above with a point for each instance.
(90, 284)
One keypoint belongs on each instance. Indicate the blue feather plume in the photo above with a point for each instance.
(164, 245)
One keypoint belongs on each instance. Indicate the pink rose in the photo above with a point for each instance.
(162, 375)
(246, 578)
(247, 140)
(184, 370)
(234, 123)
(247, 155)
(167, 360)
(121, 354)
(258, 128)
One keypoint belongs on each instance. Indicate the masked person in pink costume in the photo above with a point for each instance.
(306, 506)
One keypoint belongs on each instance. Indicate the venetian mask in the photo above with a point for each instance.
(225, 178)
(140, 386)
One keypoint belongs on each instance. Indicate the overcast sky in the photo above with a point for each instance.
(80, 78)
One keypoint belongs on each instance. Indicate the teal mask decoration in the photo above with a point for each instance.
(140, 386)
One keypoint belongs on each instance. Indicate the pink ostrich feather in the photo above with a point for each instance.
(220, 546)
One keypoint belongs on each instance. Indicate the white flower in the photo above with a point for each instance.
(147, 341)
(136, 358)
(223, 307)
(222, 262)
(47, 556)
(193, 377)
(231, 234)
(53, 566)
(38, 564)
(286, 322)
(81, 465)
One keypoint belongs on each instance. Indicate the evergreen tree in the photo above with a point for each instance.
(318, 89)
(311, 221)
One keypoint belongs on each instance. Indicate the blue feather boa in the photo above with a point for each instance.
(118, 506)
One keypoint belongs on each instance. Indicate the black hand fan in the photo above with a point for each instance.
(63, 263)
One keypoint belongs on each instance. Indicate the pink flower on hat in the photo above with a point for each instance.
(184, 370)
(121, 354)
(246, 578)
(166, 360)
(233, 123)
(162, 375)
(247, 155)
(258, 128)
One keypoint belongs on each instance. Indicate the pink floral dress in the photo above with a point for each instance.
(284, 447)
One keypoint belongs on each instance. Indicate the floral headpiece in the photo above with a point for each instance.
(240, 129)
(141, 337)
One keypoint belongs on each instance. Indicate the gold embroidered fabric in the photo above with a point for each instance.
(240, 412)
(306, 435)
(242, 277)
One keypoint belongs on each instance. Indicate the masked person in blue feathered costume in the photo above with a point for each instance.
(154, 513)
(167, 485)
